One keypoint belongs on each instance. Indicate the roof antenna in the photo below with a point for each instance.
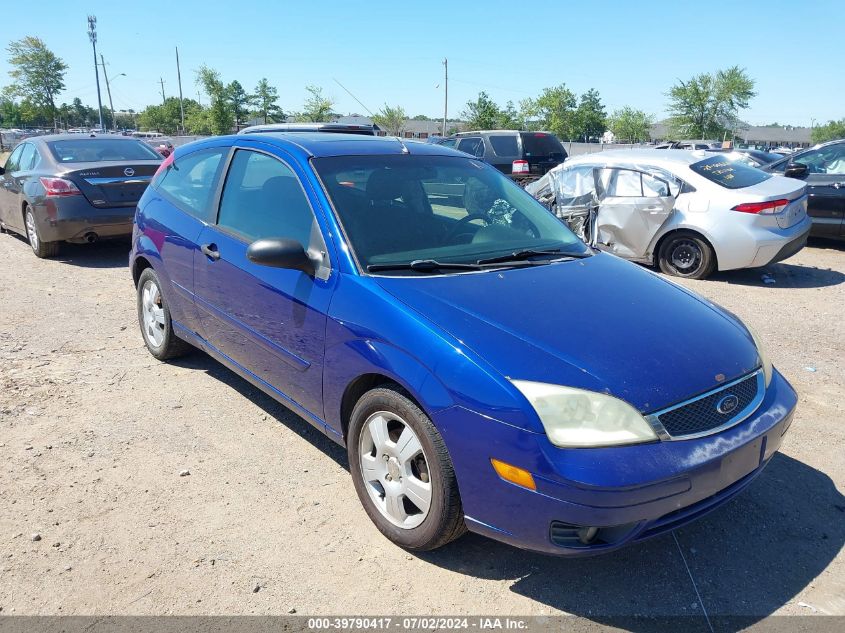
(404, 148)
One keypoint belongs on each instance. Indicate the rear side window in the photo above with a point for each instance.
(27, 157)
(504, 145)
(728, 174)
(472, 145)
(14, 160)
(189, 181)
(263, 198)
(95, 150)
(541, 144)
(448, 142)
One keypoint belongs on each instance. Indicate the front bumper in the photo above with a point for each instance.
(631, 492)
(73, 218)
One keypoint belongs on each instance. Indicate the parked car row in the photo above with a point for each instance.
(421, 309)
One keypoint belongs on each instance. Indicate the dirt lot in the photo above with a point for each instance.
(94, 433)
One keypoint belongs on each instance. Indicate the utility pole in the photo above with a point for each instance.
(445, 93)
(179, 77)
(161, 81)
(108, 90)
(92, 35)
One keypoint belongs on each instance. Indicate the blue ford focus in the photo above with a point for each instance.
(485, 369)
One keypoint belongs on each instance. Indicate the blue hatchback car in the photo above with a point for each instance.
(485, 369)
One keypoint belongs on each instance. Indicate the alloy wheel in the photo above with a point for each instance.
(395, 469)
(31, 233)
(153, 313)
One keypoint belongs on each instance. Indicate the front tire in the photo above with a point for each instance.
(686, 254)
(402, 471)
(154, 319)
(41, 248)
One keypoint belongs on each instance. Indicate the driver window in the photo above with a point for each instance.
(12, 162)
(827, 160)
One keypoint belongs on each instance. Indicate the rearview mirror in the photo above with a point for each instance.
(280, 253)
(795, 170)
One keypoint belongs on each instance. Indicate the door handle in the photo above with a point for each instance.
(210, 251)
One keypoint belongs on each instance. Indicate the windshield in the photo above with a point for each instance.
(728, 174)
(399, 209)
(94, 150)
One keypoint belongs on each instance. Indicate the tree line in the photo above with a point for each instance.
(707, 105)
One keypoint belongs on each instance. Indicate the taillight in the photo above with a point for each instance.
(519, 167)
(164, 165)
(764, 208)
(59, 187)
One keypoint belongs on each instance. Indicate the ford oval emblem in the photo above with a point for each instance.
(728, 404)
(129, 171)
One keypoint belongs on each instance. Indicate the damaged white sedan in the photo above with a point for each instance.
(689, 212)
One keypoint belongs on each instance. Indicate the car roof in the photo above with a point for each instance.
(306, 127)
(77, 137)
(322, 144)
(659, 158)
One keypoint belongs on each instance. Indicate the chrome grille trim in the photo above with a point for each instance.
(654, 418)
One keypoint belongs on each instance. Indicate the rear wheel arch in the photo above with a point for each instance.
(140, 264)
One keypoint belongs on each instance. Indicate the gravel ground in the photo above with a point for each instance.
(97, 438)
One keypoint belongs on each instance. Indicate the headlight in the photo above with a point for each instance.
(576, 418)
(764, 356)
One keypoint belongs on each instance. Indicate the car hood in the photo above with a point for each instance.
(599, 323)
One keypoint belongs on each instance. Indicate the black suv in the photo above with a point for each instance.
(521, 154)
(823, 169)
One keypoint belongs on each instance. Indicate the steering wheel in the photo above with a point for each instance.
(460, 224)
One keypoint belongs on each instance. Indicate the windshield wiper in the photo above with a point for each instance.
(526, 253)
(423, 265)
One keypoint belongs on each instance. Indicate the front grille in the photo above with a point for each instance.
(702, 415)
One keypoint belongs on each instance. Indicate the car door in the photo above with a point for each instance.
(825, 179)
(10, 209)
(270, 321)
(177, 206)
(632, 206)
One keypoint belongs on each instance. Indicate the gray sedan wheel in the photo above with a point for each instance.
(41, 248)
(685, 254)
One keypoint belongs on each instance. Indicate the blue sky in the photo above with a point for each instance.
(391, 52)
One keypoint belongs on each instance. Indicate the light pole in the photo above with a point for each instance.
(92, 35)
(108, 89)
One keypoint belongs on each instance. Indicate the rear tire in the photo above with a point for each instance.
(402, 471)
(41, 248)
(154, 319)
(686, 254)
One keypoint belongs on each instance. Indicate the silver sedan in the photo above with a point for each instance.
(689, 212)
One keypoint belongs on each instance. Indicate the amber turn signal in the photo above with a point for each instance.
(514, 475)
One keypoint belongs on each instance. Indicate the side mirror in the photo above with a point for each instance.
(2, 170)
(280, 253)
(795, 170)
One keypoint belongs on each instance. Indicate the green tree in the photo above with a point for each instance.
(219, 115)
(317, 108)
(481, 114)
(631, 125)
(553, 110)
(830, 131)
(391, 119)
(266, 97)
(420, 117)
(10, 112)
(590, 117)
(509, 118)
(37, 74)
(239, 101)
(708, 104)
(167, 117)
